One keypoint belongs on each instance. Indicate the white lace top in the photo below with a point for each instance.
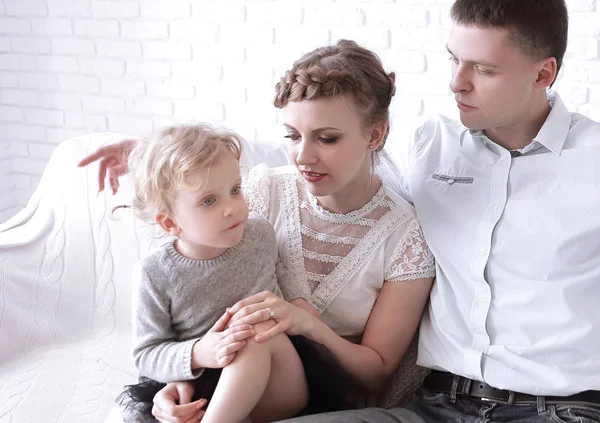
(341, 260)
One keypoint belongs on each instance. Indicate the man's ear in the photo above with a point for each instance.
(167, 224)
(546, 73)
(378, 132)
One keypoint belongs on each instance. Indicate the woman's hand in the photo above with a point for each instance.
(257, 308)
(305, 305)
(172, 404)
(219, 346)
(113, 161)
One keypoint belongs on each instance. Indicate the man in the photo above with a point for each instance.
(510, 208)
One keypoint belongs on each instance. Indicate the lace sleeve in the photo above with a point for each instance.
(411, 258)
(256, 187)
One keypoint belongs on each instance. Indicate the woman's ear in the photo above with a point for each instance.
(167, 224)
(378, 132)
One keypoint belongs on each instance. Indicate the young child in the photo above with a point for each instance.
(187, 180)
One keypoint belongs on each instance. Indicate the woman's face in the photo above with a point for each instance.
(328, 145)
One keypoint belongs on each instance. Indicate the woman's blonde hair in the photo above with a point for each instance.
(169, 160)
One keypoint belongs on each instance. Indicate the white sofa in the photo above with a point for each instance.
(65, 318)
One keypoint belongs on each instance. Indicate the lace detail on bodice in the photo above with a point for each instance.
(333, 247)
(333, 239)
(256, 189)
(351, 216)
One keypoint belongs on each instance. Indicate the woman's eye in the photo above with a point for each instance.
(293, 137)
(328, 140)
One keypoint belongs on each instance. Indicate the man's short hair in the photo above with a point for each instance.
(538, 27)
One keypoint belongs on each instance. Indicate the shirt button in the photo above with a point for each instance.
(481, 252)
(481, 303)
(451, 181)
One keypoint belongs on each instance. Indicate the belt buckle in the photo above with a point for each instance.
(510, 401)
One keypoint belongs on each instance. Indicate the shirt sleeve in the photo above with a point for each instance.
(395, 162)
(256, 188)
(411, 258)
(157, 352)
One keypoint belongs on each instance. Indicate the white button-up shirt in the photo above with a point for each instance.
(516, 301)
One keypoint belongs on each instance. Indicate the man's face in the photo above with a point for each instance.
(492, 79)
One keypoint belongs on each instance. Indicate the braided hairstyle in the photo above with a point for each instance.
(341, 69)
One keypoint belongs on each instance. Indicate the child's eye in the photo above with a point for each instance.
(236, 190)
(209, 201)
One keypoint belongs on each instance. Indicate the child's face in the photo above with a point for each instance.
(212, 218)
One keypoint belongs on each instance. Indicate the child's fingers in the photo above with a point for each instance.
(238, 335)
(221, 324)
(224, 361)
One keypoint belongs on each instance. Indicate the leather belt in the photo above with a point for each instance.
(444, 382)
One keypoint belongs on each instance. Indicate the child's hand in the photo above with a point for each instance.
(218, 347)
(305, 305)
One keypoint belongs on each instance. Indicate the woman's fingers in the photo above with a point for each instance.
(260, 315)
(105, 163)
(253, 299)
(98, 154)
(280, 327)
(178, 414)
(185, 391)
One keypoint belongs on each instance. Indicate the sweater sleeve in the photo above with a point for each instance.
(157, 352)
(288, 285)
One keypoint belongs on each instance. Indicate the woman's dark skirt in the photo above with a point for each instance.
(330, 386)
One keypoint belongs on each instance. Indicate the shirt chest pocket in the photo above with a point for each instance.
(451, 179)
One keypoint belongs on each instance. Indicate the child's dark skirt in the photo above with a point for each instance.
(330, 386)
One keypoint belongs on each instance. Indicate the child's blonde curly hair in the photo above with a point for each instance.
(169, 159)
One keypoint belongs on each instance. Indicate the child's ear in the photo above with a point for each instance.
(167, 224)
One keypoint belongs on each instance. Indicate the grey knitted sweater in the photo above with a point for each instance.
(179, 299)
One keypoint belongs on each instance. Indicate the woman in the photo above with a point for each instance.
(353, 245)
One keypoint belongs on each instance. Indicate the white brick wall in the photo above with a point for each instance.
(68, 67)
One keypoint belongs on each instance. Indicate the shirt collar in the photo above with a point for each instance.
(554, 131)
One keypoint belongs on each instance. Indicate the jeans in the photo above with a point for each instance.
(433, 407)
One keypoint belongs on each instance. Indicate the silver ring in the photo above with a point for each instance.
(271, 313)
